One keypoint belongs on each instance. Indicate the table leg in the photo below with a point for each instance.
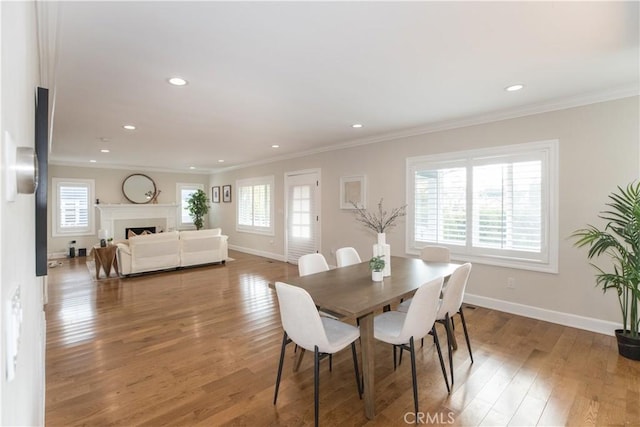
(96, 261)
(368, 364)
(115, 265)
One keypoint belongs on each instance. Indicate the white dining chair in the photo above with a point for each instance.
(347, 256)
(452, 296)
(312, 263)
(303, 325)
(435, 254)
(451, 303)
(402, 329)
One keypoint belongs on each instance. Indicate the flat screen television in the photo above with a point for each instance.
(42, 152)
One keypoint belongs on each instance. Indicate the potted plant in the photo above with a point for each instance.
(197, 205)
(619, 240)
(376, 265)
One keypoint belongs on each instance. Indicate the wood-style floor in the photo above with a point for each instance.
(200, 347)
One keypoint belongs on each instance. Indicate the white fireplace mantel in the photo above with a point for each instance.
(110, 213)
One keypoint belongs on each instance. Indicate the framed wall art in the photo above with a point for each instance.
(226, 193)
(215, 194)
(353, 189)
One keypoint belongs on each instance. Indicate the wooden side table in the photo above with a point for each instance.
(106, 258)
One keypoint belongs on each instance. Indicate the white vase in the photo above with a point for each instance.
(384, 250)
(377, 276)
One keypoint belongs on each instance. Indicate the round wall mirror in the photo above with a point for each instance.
(139, 188)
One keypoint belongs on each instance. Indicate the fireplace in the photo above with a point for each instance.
(116, 218)
(138, 230)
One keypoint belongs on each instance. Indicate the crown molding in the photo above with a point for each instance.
(494, 116)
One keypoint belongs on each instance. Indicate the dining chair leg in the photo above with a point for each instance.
(355, 367)
(414, 379)
(285, 340)
(466, 334)
(394, 357)
(316, 383)
(444, 371)
(447, 327)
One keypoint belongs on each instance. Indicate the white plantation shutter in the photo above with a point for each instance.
(74, 206)
(495, 205)
(507, 200)
(440, 205)
(255, 205)
(73, 209)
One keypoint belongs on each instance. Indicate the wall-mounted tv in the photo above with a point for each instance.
(42, 151)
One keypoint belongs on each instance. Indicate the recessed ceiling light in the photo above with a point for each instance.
(129, 127)
(356, 125)
(192, 167)
(104, 150)
(220, 161)
(92, 161)
(177, 81)
(275, 146)
(514, 88)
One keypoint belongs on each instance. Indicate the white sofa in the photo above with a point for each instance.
(202, 247)
(170, 250)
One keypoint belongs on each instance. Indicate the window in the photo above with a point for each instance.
(72, 207)
(255, 205)
(183, 193)
(493, 206)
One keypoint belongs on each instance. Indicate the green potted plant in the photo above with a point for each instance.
(619, 240)
(376, 265)
(198, 207)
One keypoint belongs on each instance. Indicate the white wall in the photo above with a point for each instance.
(108, 188)
(599, 149)
(23, 398)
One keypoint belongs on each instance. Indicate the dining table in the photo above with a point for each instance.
(349, 292)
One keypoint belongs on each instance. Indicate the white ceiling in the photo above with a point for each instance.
(298, 74)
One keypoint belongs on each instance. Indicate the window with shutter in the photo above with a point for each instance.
(255, 205)
(495, 206)
(73, 207)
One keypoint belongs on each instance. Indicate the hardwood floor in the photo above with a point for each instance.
(200, 347)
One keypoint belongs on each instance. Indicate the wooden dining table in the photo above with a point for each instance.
(349, 292)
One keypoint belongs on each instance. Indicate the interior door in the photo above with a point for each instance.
(303, 214)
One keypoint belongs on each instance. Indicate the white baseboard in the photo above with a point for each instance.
(270, 255)
(566, 319)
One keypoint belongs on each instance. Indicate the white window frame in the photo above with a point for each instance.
(548, 152)
(87, 230)
(185, 225)
(265, 180)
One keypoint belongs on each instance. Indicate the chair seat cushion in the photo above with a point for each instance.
(388, 325)
(339, 334)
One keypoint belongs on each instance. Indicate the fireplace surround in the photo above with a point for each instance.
(118, 217)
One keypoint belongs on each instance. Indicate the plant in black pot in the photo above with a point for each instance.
(198, 207)
(619, 240)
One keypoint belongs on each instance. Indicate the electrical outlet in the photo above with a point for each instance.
(511, 283)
